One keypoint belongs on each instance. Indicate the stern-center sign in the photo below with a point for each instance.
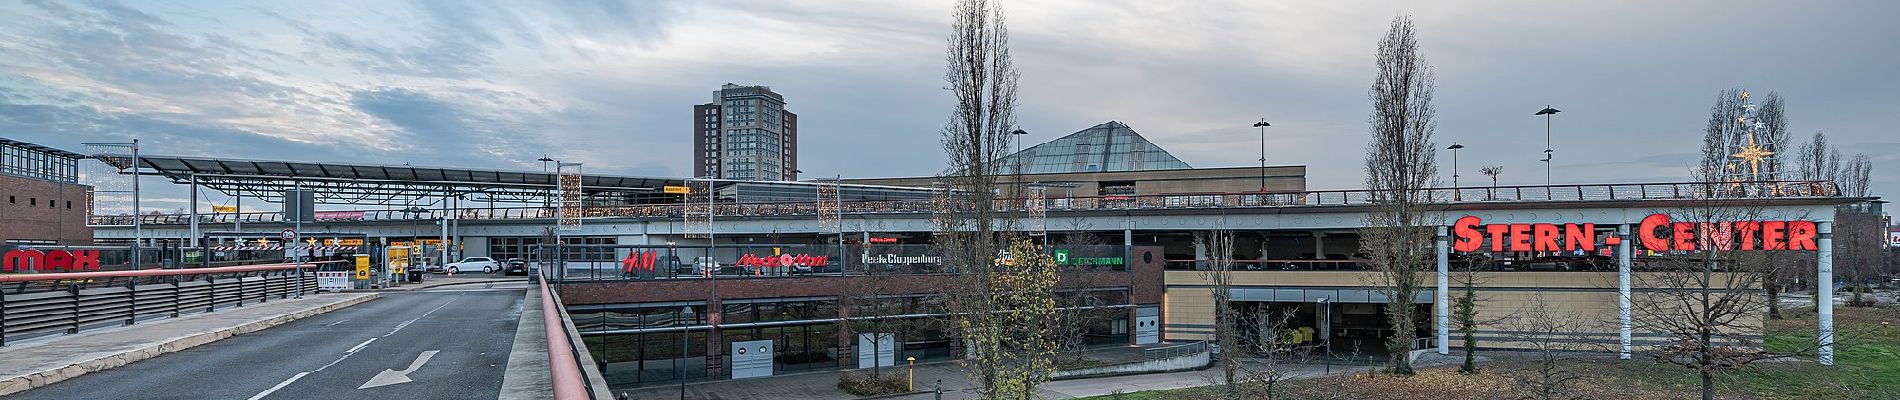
(1656, 233)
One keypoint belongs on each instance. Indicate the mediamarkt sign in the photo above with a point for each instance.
(1657, 233)
(783, 260)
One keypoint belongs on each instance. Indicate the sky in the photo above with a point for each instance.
(499, 84)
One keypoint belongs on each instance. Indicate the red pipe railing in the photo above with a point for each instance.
(563, 369)
(153, 272)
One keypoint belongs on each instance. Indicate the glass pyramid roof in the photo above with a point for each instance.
(1108, 147)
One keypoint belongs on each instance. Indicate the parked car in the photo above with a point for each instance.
(515, 266)
(472, 264)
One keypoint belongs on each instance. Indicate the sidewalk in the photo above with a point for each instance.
(44, 361)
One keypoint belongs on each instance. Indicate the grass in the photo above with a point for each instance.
(1867, 366)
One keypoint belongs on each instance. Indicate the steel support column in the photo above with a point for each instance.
(1444, 291)
(1623, 291)
(1824, 291)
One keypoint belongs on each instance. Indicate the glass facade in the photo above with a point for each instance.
(1109, 147)
(34, 161)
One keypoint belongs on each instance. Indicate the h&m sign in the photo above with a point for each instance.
(1656, 233)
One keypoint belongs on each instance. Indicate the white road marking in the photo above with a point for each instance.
(359, 346)
(335, 323)
(346, 355)
(391, 377)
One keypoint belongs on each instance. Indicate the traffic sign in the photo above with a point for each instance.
(289, 235)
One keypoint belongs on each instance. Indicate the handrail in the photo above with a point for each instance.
(1189, 200)
(153, 272)
(563, 370)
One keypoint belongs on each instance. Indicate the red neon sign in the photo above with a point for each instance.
(639, 260)
(783, 260)
(56, 260)
(1656, 233)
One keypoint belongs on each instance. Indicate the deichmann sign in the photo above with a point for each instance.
(1062, 258)
(1656, 233)
(56, 260)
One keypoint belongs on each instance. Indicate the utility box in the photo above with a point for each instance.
(300, 205)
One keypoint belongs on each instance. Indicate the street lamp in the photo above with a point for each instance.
(1454, 169)
(545, 200)
(1018, 155)
(1547, 112)
(686, 315)
(1263, 152)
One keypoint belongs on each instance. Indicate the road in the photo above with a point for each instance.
(452, 342)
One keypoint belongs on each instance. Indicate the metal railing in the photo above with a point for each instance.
(1172, 351)
(564, 369)
(45, 304)
(1311, 198)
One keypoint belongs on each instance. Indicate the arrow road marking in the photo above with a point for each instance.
(391, 377)
(347, 354)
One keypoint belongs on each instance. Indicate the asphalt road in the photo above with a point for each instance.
(456, 339)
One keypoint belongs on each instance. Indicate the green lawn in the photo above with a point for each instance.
(1867, 366)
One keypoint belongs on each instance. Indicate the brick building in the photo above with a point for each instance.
(41, 200)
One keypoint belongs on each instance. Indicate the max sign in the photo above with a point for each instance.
(56, 260)
(1657, 233)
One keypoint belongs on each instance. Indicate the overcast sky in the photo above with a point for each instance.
(611, 84)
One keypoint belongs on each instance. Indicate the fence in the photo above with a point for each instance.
(35, 305)
(1313, 198)
(1179, 350)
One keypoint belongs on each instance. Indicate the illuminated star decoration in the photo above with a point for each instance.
(1753, 154)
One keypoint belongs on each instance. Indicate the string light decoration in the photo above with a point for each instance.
(111, 185)
(829, 208)
(1038, 211)
(1752, 156)
(697, 214)
(568, 190)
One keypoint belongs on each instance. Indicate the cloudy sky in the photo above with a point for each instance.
(611, 84)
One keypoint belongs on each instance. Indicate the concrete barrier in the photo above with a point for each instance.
(1187, 362)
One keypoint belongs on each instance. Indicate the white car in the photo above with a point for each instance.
(472, 264)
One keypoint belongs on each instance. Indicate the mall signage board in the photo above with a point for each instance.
(55, 260)
(1657, 232)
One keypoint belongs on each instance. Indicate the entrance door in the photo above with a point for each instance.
(751, 359)
(1147, 325)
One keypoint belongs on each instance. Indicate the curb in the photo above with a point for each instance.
(37, 379)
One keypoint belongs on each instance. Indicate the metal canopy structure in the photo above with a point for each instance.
(368, 184)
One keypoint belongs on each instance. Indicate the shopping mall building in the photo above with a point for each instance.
(815, 269)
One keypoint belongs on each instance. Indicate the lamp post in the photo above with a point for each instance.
(1263, 152)
(544, 169)
(1454, 169)
(1018, 155)
(1547, 112)
(686, 314)
(910, 373)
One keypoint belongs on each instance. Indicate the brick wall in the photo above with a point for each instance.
(32, 209)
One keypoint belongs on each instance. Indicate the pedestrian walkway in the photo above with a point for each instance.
(43, 361)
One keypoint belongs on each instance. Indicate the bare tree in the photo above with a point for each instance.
(1399, 167)
(1707, 299)
(1857, 177)
(1002, 312)
(1219, 273)
(1548, 336)
(1723, 130)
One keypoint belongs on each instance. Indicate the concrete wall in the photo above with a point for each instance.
(1182, 363)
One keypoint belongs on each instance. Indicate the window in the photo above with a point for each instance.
(33, 201)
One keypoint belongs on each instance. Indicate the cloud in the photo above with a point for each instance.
(497, 84)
